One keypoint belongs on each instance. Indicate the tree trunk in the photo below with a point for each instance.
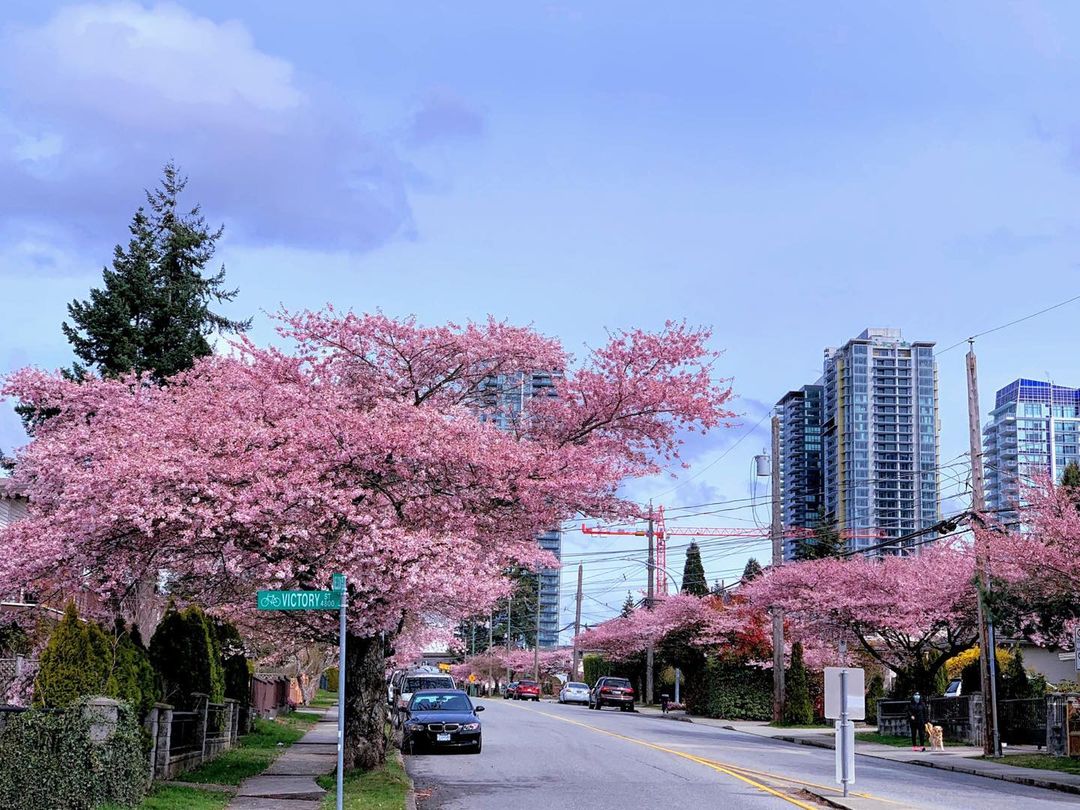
(365, 703)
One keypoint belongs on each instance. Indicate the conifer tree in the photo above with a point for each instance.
(628, 605)
(798, 710)
(825, 541)
(752, 570)
(693, 578)
(153, 313)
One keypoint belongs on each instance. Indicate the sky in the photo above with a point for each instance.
(785, 174)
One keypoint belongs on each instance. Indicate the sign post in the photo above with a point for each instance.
(845, 702)
(1076, 647)
(321, 600)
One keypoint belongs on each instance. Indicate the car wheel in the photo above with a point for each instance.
(479, 746)
(630, 708)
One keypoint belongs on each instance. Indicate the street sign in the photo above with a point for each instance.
(299, 600)
(472, 677)
(443, 666)
(339, 582)
(856, 691)
(1076, 647)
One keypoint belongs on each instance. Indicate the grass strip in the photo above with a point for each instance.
(174, 797)
(1043, 762)
(893, 740)
(384, 788)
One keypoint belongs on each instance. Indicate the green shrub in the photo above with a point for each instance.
(737, 691)
(75, 663)
(798, 711)
(48, 761)
(875, 691)
(595, 667)
(132, 678)
(234, 662)
(185, 653)
(332, 679)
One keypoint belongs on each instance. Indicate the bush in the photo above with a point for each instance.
(185, 653)
(875, 691)
(81, 660)
(595, 667)
(332, 679)
(234, 662)
(48, 761)
(798, 711)
(737, 691)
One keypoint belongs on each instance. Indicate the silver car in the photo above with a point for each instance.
(574, 692)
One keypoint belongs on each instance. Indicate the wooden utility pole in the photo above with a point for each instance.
(577, 623)
(987, 642)
(777, 535)
(648, 606)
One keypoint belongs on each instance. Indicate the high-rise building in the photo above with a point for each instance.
(506, 395)
(1034, 432)
(801, 483)
(880, 437)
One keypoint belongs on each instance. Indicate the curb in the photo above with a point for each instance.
(410, 796)
(852, 802)
(1019, 779)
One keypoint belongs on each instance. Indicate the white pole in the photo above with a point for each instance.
(341, 704)
(844, 775)
(678, 675)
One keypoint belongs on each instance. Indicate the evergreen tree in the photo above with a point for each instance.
(522, 611)
(74, 664)
(693, 578)
(1014, 680)
(234, 662)
(132, 677)
(628, 606)
(825, 541)
(154, 312)
(798, 710)
(185, 652)
(752, 570)
(1070, 481)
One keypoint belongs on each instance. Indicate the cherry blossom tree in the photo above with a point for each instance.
(909, 613)
(358, 450)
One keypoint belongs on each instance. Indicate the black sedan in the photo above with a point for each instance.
(442, 719)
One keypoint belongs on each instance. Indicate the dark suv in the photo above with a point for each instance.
(612, 692)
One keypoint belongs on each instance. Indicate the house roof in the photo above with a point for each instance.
(8, 489)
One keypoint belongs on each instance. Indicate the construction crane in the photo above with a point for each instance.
(661, 533)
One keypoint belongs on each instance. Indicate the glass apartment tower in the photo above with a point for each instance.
(503, 400)
(1034, 432)
(801, 481)
(880, 437)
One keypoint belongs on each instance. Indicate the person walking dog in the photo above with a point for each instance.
(917, 719)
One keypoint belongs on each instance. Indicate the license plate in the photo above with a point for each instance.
(442, 738)
(616, 691)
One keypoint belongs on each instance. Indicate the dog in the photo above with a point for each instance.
(935, 735)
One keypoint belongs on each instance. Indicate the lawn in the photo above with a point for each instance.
(255, 752)
(173, 797)
(383, 789)
(324, 699)
(1043, 761)
(890, 739)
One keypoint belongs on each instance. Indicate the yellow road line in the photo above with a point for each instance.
(700, 760)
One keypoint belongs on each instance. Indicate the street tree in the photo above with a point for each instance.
(825, 541)
(154, 312)
(359, 451)
(693, 578)
(752, 570)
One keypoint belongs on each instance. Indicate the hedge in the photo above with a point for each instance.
(737, 691)
(594, 668)
(47, 761)
(186, 654)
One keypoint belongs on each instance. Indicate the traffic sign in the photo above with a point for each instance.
(855, 694)
(472, 677)
(339, 582)
(299, 600)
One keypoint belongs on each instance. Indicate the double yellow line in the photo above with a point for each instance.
(735, 771)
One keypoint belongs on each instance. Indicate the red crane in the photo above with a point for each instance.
(661, 533)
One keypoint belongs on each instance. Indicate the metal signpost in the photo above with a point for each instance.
(1076, 647)
(845, 702)
(334, 599)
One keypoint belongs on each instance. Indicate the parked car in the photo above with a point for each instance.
(441, 719)
(574, 692)
(414, 682)
(612, 692)
(511, 690)
(527, 690)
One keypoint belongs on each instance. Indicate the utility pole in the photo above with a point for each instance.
(777, 533)
(509, 613)
(491, 645)
(987, 642)
(648, 606)
(577, 623)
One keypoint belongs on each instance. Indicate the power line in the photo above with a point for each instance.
(1010, 323)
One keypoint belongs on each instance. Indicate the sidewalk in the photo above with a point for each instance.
(962, 759)
(289, 782)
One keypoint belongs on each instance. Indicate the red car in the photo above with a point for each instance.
(527, 690)
(612, 692)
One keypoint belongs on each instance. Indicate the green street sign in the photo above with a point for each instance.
(339, 582)
(299, 600)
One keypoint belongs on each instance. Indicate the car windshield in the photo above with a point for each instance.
(454, 702)
(427, 682)
(528, 683)
(576, 686)
(620, 683)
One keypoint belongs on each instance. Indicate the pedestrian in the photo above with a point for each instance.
(917, 719)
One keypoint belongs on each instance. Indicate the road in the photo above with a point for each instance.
(549, 757)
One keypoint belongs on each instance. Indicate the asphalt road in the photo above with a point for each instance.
(549, 757)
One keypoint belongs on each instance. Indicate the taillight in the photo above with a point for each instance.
(604, 690)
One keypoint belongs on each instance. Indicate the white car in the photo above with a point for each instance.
(574, 692)
(415, 682)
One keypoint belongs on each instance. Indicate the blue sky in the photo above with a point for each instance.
(786, 174)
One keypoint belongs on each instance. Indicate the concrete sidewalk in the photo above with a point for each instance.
(961, 759)
(289, 782)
